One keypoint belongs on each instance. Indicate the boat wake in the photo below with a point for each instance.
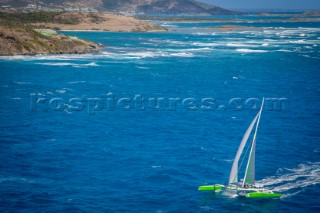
(292, 181)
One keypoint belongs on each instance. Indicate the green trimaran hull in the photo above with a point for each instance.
(247, 187)
(211, 188)
(249, 194)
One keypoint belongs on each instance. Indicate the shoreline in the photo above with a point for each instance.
(101, 31)
(37, 33)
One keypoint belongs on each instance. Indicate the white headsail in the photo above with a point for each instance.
(233, 178)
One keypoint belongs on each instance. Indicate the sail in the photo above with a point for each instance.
(233, 178)
(249, 177)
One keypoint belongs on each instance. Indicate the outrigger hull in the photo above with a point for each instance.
(262, 195)
(215, 188)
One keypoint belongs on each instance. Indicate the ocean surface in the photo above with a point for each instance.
(139, 126)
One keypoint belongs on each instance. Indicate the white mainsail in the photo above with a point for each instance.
(233, 178)
(249, 177)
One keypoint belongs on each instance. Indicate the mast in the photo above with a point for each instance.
(250, 169)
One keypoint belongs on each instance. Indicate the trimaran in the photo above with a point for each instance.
(246, 187)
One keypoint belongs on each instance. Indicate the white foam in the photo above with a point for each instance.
(301, 41)
(186, 55)
(201, 49)
(64, 64)
(76, 82)
(176, 42)
(40, 57)
(61, 91)
(21, 83)
(198, 33)
(143, 68)
(289, 181)
(56, 64)
(283, 50)
(92, 64)
(201, 44)
(251, 51)
(138, 55)
(168, 25)
(239, 45)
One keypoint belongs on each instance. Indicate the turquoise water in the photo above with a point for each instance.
(80, 155)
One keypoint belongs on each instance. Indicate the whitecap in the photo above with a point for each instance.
(168, 25)
(21, 83)
(92, 64)
(61, 91)
(251, 51)
(301, 41)
(176, 42)
(143, 68)
(141, 54)
(284, 50)
(57, 64)
(201, 49)
(198, 33)
(186, 55)
(76, 82)
(239, 45)
(63, 57)
(63, 64)
(201, 44)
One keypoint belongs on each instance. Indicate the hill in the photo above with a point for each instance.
(191, 7)
(17, 39)
(81, 21)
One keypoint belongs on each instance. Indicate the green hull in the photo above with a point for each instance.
(211, 188)
(262, 195)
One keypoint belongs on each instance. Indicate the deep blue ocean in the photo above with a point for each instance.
(139, 126)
